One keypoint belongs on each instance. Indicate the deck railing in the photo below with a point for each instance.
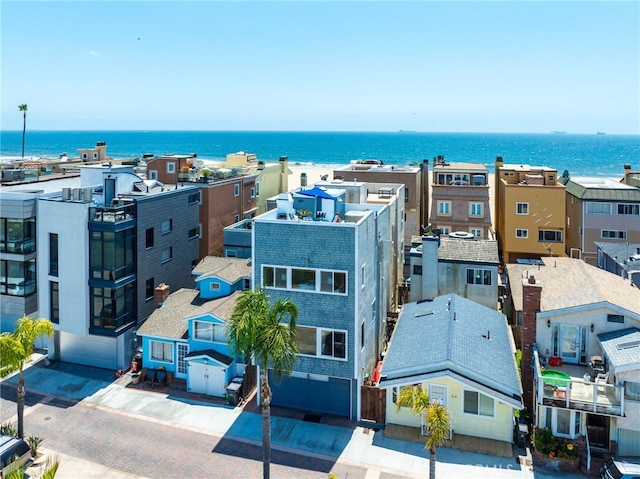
(578, 394)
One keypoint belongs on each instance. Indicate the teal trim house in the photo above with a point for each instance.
(187, 333)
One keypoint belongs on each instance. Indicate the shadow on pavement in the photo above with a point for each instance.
(70, 383)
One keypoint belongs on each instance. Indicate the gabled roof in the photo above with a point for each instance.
(475, 251)
(227, 269)
(570, 282)
(622, 348)
(169, 322)
(210, 353)
(453, 336)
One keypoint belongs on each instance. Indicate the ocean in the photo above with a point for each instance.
(581, 155)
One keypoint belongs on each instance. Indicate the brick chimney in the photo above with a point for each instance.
(161, 294)
(531, 294)
(627, 173)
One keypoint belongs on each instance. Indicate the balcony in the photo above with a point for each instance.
(578, 392)
(116, 214)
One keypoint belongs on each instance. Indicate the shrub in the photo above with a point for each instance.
(34, 443)
(9, 429)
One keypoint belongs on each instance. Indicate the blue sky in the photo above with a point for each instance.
(506, 66)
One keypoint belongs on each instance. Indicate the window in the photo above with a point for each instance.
(550, 236)
(333, 281)
(475, 209)
(273, 277)
(167, 226)
(149, 289)
(445, 230)
(214, 286)
(438, 394)
(406, 195)
(303, 279)
(95, 156)
(253, 192)
(306, 340)
(167, 254)
(362, 275)
(149, 238)
(598, 208)
(236, 218)
(236, 190)
(112, 254)
(522, 208)
(395, 392)
(417, 269)
(615, 318)
(257, 189)
(628, 209)
(315, 280)
(153, 174)
(612, 234)
(478, 404)
(161, 351)
(112, 308)
(53, 254)
(194, 198)
(171, 167)
(194, 233)
(476, 233)
(213, 332)
(18, 235)
(362, 335)
(231, 253)
(54, 302)
(632, 391)
(479, 276)
(444, 207)
(522, 233)
(18, 278)
(333, 343)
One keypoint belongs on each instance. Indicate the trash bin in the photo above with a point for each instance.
(138, 359)
(234, 391)
(522, 434)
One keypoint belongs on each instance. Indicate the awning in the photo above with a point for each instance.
(317, 192)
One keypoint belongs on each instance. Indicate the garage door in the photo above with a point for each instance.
(629, 443)
(325, 397)
(207, 379)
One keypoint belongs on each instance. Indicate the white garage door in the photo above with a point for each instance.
(207, 379)
(629, 444)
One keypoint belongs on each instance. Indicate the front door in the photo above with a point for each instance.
(181, 369)
(598, 431)
(567, 342)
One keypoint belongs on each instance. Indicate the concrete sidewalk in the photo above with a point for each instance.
(382, 456)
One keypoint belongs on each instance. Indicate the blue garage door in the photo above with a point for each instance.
(325, 397)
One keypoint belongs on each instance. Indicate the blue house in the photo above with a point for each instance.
(337, 253)
(187, 333)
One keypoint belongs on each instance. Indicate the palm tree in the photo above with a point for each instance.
(23, 108)
(435, 415)
(15, 350)
(259, 330)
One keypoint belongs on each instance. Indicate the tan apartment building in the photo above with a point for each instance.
(460, 199)
(600, 210)
(530, 211)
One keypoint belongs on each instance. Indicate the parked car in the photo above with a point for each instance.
(620, 469)
(12, 450)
